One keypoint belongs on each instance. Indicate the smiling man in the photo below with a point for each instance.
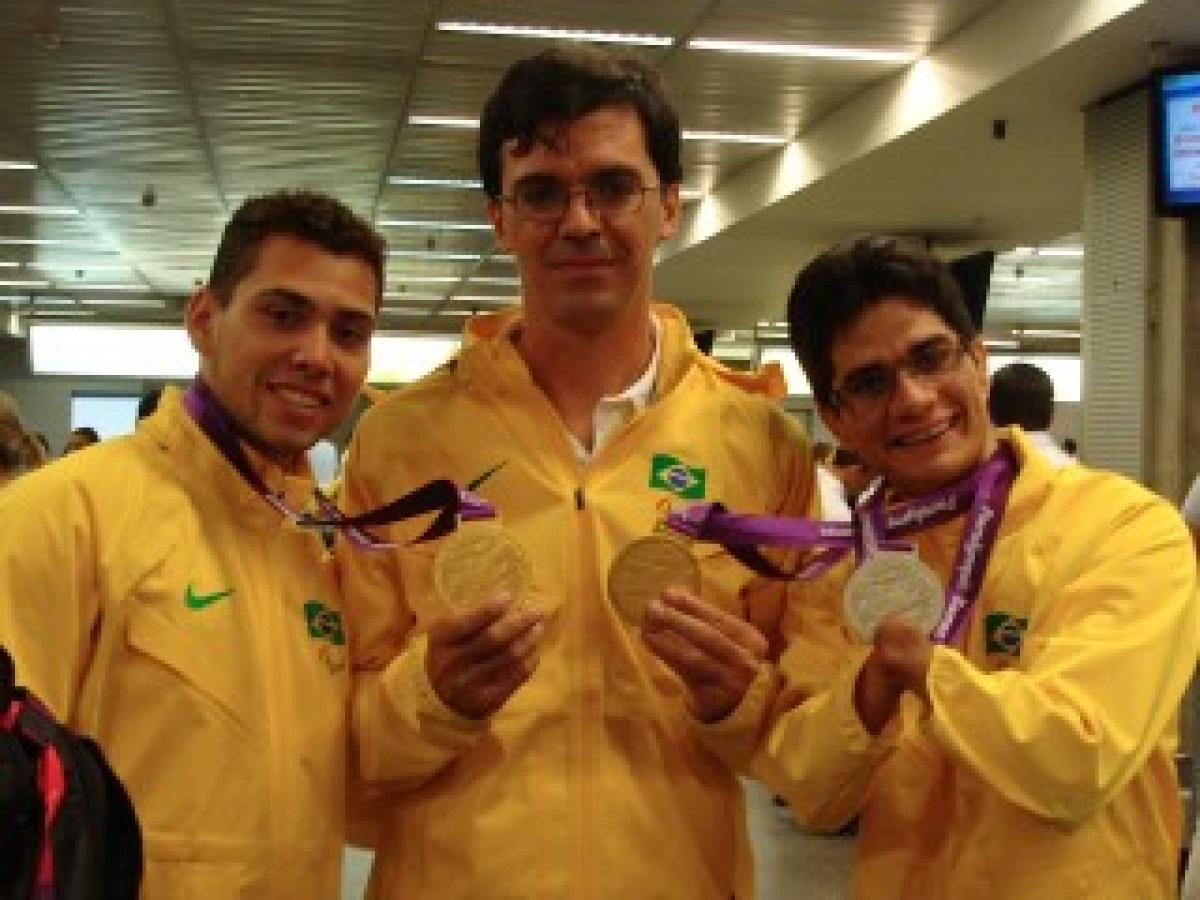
(1019, 744)
(156, 595)
(546, 753)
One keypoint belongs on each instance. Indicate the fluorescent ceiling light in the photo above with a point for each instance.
(434, 225)
(488, 279)
(38, 210)
(690, 193)
(1068, 252)
(54, 301)
(84, 286)
(816, 51)
(468, 184)
(443, 121)
(155, 302)
(7, 264)
(55, 242)
(428, 279)
(416, 296)
(487, 299)
(24, 283)
(1046, 333)
(557, 34)
(731, 137)
(17, 164)
(72, 267)
(723, 137)
(1001, 344)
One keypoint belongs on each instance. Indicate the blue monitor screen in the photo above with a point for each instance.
(1177, 140)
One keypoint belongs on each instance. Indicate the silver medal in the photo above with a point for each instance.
(892, 584)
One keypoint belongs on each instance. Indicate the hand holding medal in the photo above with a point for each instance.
(645, 568)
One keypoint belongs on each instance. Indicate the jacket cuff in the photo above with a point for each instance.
(406, 683)
(734, 738)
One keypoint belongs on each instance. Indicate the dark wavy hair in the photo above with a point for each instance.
(842, 283)
(558, 86)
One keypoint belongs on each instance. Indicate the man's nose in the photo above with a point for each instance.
(314, 349)
(579, 217)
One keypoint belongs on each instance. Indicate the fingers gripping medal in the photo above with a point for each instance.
(892, 584)
(645, 568)
(478, 560)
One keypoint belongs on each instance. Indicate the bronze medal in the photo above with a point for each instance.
(645, 568)
(476, 561)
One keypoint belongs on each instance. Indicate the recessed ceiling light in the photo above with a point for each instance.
(817, 51)
(557, 34)
(24, 283)
(6, 264)
(134, 286)
(18, 165)
(1064, 333)
(434, 225)
(56, 242)
(38, 210)
(468, 184)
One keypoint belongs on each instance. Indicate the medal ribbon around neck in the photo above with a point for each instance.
(982, 494)
(441, 494)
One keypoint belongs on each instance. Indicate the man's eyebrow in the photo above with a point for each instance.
(282, 293)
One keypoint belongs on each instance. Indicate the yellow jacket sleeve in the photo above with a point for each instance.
(402, 731)
(1062, 735)
(48, 586)
(817, 753)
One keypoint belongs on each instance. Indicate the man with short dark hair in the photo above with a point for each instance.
(158, 595)
(1004, 723)
(1022, 394)
(546, 753)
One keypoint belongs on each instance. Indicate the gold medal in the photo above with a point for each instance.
(476, 561)
(645, 568)
(892, 584)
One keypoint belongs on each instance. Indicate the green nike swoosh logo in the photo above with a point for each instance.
(192, 600)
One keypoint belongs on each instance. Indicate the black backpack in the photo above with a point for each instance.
(57, 783)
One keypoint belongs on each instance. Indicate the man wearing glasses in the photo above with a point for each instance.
(546, 752)
(1019, 742)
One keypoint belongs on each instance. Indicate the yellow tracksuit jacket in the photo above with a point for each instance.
(593, 781)
(158, 604)
(1043, 768)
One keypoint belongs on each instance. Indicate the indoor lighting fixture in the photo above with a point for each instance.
(443, 121)
(38, 210)
(55, 242)
(84, 286)
(557, 34)
(466, 184)
(17, 165)
(815, 51)
(721, 137)
(500, 280)
(731, 137)
(428, 279)
(1000, 344)
(1063, 333)
(437, 255)
(434, 225)
(1067, 252)
(24, 283)
(6, 264)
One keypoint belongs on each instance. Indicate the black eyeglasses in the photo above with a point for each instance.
(865, 390)
(608, 193)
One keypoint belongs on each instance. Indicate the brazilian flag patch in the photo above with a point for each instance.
(1004, 633)
(669, 473)
(324, 624)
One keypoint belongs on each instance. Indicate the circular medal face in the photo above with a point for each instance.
(645, 568)
(477, 560)
(892, 584)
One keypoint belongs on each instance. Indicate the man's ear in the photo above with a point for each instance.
(671, 206)
(495, 212)
(198, 318)
(834, 421)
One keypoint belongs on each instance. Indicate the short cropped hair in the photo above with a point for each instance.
(1021, 394)
(562, 84)
(309, 216)
(87, 431)
(845, 281)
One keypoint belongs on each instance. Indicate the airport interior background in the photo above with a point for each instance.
(1017, 136)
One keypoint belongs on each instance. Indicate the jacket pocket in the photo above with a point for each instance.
(152, 635)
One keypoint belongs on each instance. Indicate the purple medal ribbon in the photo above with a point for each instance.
(440, 494)
(983, 494)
